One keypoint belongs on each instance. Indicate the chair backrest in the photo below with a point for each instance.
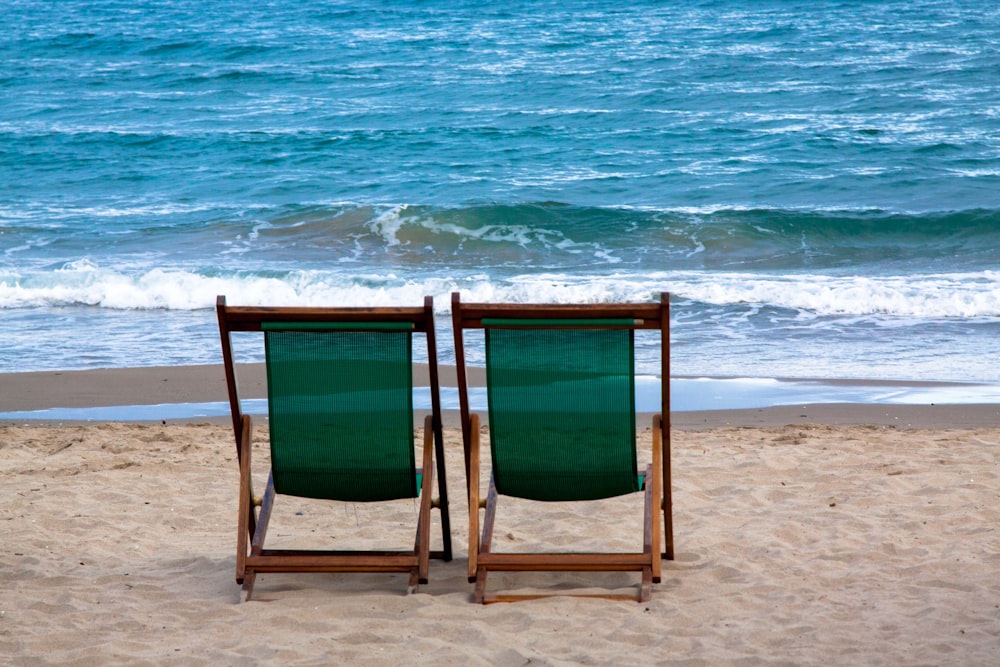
(561, 395)
(340, 397)
(340, 404)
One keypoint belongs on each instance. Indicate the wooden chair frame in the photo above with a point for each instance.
(254, 512)
(658, 497)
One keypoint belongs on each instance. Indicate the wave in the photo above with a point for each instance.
(553, 236)
(718, 230)
(503, 241)
(928, 296)
(923, 296)
(557, 236)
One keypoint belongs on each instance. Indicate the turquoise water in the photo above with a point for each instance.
(816, 183)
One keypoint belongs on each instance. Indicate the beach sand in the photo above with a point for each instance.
(809, 535)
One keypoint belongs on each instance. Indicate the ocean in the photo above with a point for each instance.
(817, 184)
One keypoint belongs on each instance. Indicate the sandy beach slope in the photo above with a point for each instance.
(804, 536)
(797, 544)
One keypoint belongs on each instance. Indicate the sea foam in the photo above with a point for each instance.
(950, 295)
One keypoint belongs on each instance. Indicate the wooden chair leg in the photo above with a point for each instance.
(443, 506)
(418, 574)
(263, 518)
(655, 501)
(486, 542)
(650, 527)
(245, 511)
(426, 498)
(667, 500)
(247, 590)
(646, 586)
(257, 544)
(473, 481)
(479, 594)
(668, 521)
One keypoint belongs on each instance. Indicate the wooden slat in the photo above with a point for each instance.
(472, 314)
(512, 597)
(249, 318)
(563, 562)
(331, 561)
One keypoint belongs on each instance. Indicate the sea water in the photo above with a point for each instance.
(817, 184)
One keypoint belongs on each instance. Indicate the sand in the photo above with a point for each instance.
(797, 543)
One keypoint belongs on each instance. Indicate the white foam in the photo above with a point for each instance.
(387, 225)
(948, 295)
(49, 213)
(928, 296)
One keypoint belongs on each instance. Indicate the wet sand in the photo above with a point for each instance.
(202, 384)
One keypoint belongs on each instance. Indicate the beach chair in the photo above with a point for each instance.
(561, 399)
(341, 420)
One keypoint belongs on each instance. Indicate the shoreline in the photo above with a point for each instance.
(168, 386)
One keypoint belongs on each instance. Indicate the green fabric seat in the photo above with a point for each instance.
(561, 409)
(341, 410)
